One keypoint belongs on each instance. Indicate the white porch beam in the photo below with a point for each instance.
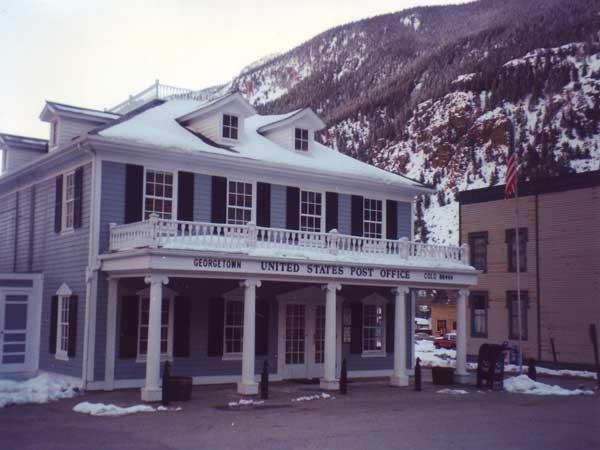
(461, 374)
(111, 334)
(152, 390)
(248, 384)
(329, 380)
(400, 376)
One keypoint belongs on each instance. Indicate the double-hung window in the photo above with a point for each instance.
(239, 202)
(68, 209)
(478, 303)
(478, 245)
(301, 139)
(233, 328)
(512, 303)
(230, 126)
(158, 194)
(166, 327)
(373, 218)
(62, 331)
(310, 211)
(373, 335)
(511, 247)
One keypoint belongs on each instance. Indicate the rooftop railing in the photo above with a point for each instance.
(249, 238)
(158, 91)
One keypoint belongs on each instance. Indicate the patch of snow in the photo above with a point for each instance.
(44, 388)
(305, 398)
(245, 402)
(102, 409)
(522, 384)
(452, 391)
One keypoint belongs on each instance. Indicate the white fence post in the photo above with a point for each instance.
(333, 241)
(153, 221)
(252, 234)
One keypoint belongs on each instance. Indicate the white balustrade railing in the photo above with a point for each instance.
(157, 233)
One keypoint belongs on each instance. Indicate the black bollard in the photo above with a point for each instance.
(344, 378)
(418, 375)
(264, 381)
(165, 384)
(531, 372)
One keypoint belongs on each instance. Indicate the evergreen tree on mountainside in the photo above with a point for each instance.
(440, 94)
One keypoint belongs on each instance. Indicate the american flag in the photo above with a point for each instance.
(511, 166)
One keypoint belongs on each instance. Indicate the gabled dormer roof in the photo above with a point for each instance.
(52, 109)
(29, 143)
(213, 105)
(284, 120)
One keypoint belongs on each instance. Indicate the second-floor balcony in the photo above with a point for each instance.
(283, 243)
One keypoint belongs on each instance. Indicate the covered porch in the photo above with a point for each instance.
(219, 317)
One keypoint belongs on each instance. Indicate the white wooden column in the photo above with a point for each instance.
(329, 380)
(400, 376)
(111, 334)
(152, 391)
(461, 374)
(248, 384)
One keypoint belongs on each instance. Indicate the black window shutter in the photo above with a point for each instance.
(219, 200)
(357, 215)
(391, 224)
(78, 200)
(134, 193)
(390, 327)
(53, 323)
(357, 323)
(72, 344)
(128, 336)
(292, 216)
(216, 317)
(181, 333)
(185, 196)
(331, 211)
(262, 328)
(58, 204)
(263, 204)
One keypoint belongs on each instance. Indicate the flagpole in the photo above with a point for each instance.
(518, 258)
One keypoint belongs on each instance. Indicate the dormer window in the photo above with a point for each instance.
(301, 139)
(230, 126)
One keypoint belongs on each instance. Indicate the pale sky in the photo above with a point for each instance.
(94, 53)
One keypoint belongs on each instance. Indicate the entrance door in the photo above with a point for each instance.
(304, 340)
(14, 318)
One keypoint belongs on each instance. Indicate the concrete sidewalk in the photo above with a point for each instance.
(372, 415)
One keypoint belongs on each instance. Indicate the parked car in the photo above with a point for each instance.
(446, 341)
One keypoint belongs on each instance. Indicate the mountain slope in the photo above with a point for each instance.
(428, 92)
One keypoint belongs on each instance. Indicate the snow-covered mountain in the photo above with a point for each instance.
(429, 93)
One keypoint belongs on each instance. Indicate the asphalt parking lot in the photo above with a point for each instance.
(371, 416)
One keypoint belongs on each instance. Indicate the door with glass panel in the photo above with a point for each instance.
(14, 320)
(304, 340)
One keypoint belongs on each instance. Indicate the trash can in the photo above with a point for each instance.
(443, 376)
(180, 388)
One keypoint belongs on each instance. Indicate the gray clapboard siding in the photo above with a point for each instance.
(69, 129)
(23, 214)
(112, 199)
(7, 231)
(17, 157)
(278, 202)
(199, 363)
(63, 258)
(345, 214)
(202, 197)
(404, 220)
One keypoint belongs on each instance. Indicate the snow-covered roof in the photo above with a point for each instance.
(282, 120)
(77, 112)
(159, 126)
(12, 140)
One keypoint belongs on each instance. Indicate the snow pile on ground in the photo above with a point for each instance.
(245, 402)
(41, 389)
(305, 398)
(430, 356)
(452, 391)
(513, 368)
(522, 384)
(102, 409)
